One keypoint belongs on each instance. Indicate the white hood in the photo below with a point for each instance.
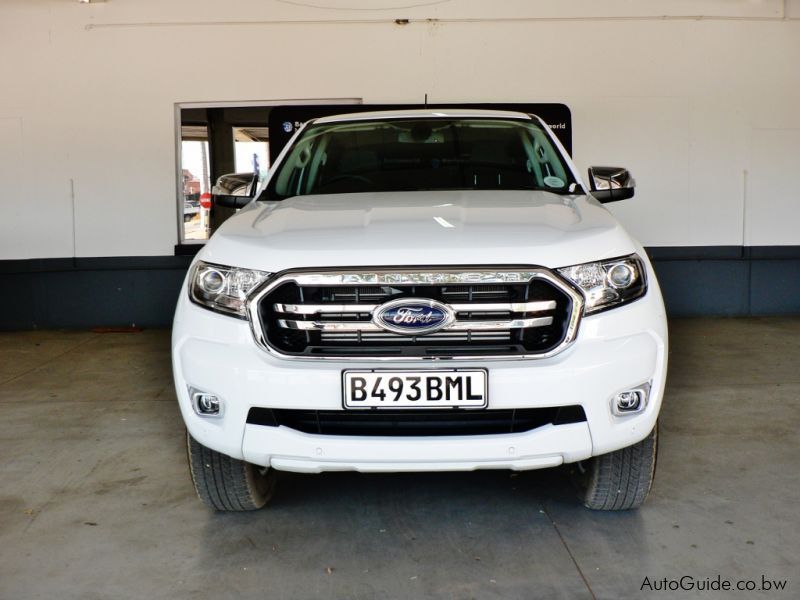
(419, 229)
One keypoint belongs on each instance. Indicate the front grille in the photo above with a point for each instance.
(394, 423)
(328, 314)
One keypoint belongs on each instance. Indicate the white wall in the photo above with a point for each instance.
(704, 111)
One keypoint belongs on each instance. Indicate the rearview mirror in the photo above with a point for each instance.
(610, 184)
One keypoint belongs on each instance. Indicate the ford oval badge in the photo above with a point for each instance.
(413, 316)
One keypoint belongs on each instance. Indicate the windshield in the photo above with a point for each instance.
(420, 154)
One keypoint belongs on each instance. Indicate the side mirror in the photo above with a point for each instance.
(610, 184)
(234, 190)
(229, 201)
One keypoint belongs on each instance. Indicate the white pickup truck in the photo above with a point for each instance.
(433, 290)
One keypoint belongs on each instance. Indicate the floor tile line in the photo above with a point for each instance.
(569, 552)
(39, 366)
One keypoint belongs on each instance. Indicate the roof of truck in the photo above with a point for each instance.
(423, 113)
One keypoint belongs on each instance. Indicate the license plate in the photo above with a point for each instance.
(416, 389)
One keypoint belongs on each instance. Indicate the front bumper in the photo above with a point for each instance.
(616, 350)
(288, 450)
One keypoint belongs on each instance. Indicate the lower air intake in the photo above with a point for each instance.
(394, 423)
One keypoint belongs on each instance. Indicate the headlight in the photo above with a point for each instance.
(223, 289)
(608, 283)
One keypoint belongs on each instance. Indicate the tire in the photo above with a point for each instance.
(228, 484)
(620, 480)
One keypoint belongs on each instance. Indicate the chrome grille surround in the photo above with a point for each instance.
(411, 276)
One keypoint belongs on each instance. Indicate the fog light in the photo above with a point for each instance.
(630, 401)
(206, 404)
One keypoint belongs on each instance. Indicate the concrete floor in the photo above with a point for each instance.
(96, 502)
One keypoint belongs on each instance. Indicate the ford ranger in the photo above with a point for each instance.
(432, 290)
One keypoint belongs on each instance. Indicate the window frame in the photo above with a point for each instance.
(183, 245)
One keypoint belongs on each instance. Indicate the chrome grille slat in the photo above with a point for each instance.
(395, 337)
(456, 326)
(536, 306)
(313, 309)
